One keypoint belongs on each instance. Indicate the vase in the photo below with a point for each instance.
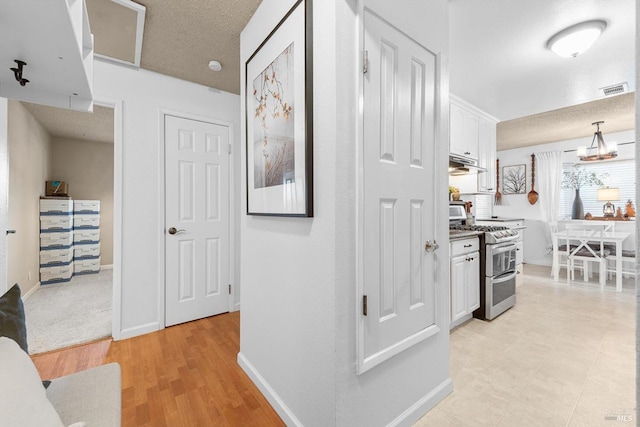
(455, 196)
(577, 212)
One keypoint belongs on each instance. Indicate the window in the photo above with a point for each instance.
(615, 174)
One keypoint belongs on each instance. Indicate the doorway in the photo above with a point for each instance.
(45, 144)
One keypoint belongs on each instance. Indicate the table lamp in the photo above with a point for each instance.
(607, 195)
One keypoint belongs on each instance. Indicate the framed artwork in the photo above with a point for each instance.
(279, 119)
(514, 179)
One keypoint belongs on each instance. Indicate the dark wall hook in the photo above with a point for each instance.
(17, 72)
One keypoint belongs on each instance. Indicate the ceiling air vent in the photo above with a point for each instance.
(615, 89)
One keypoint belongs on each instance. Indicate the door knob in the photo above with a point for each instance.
(173, 230)
(11, 231)
(430, 246)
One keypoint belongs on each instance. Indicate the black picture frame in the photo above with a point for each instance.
(279, 153)
(514, 179)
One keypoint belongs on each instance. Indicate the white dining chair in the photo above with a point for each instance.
(586, 245)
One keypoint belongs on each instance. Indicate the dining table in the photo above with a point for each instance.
(612, 237)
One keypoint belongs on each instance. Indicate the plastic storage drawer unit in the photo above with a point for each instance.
(86, 266)
(62, 240)
(56, 207)
(86, 222)
(84, 207)
(86, 237)
(86, 251)
(56, 257)
(50, 275)
(56, 223)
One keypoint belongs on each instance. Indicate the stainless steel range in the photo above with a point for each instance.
(497, 268)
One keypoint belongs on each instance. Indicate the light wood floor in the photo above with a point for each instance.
(185, 375)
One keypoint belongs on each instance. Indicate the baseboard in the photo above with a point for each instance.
(269, 393)
(106, 267)
(424, 405)
(236, 307)
(31, 291)
(137, 330)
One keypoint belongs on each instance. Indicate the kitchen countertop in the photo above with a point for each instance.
(462, 234)
(500, 219)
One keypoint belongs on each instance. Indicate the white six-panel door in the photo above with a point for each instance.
(399, 191)
(197, 219)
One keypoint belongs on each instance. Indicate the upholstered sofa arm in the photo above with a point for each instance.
(92, 396)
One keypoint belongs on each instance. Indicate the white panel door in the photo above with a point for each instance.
(399, 179)
(197, 219)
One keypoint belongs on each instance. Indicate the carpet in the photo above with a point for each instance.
(65, 314)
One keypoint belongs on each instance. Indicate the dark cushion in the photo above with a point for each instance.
(12, 323)
(584, 252)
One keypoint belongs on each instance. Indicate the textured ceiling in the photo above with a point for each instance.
(498, 61)
(96, 126)
(617, 112)
(181, 37)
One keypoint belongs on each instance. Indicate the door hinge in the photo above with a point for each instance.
(229, 148)
(364, 305)
(229, 289)
(365, 65)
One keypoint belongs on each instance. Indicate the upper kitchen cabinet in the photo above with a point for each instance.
(52, 41)
(464, 131)
(473, 136)
(487, 154)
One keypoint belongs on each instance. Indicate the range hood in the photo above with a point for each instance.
(459, 165)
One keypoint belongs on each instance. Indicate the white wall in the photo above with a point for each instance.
(287, 327)
(4, 192)
(298, 317)
(87, 166)
(29, 168)
(517, 205)
(144, 94)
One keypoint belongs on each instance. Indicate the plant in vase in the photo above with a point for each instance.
(454, 193)
(577, 178)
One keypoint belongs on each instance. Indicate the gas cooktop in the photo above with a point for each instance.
(492, 233)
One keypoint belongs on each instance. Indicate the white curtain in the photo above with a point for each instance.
(549, 183)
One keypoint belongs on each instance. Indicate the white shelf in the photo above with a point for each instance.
(54, 39)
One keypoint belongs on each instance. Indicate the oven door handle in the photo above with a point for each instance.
(503, 249)
(505, 277)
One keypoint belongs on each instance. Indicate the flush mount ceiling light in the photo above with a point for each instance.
(574, 40)
(215, 65)
(601, 151)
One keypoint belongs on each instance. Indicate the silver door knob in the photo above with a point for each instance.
(173, 230)
(430, 246)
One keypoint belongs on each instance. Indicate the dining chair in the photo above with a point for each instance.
(563, 247)
(589, 247)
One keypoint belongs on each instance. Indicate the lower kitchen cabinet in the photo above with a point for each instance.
(465, 280)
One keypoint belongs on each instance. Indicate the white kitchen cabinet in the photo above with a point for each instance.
(464, 131)
(487, 155)
(465, 280)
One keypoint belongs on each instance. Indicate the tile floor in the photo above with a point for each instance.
(563, 356)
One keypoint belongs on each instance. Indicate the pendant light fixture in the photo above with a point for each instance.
(574, 40)
(601, 151)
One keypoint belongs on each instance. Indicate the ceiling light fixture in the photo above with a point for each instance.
(215, 65)
(601, 151)
(574, 40)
